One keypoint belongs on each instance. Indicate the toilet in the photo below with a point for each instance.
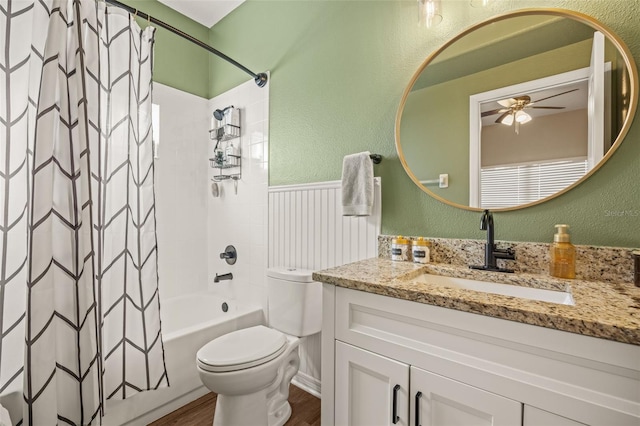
(251, 369)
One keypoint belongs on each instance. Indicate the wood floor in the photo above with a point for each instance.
(305, 411)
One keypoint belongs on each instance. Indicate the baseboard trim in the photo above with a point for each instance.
(307, 383)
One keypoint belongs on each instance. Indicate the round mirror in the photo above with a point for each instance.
(516, 110)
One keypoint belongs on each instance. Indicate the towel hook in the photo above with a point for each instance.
(376, 158)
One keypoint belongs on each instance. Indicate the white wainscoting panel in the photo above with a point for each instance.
(307, 231)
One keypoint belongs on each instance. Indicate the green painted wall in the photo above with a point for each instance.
(430, 146)
(338, 70)
(177, 62)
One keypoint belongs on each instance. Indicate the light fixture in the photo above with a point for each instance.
(429, 13)
(522, 117)
(507, 120)
(518, 117)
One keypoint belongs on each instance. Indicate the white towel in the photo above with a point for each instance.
(5, 420)
(357, 185)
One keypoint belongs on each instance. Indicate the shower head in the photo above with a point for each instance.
(219, 113)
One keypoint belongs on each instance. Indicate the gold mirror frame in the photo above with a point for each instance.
(580, 17)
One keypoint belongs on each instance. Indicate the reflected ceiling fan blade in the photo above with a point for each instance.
(499, 120)
(493, 111)
(507, 102)
(553, 96)
(543, 107)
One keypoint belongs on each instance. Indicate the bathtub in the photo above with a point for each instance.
(188, 322)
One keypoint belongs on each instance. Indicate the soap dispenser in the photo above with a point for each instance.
(563, 254)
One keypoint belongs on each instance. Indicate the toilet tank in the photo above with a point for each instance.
(294, 301)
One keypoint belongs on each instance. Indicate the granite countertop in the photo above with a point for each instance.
(605, 310)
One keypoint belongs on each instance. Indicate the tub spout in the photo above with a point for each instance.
(219, 278)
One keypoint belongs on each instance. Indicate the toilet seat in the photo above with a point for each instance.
(241, 349)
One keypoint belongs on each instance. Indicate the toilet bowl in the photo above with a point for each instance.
(251, 369)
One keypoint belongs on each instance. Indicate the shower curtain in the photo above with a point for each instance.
(79, 306)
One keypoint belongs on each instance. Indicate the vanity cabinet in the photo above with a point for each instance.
(439, 401)
(365, 393)
(376, 390)
(468, 368)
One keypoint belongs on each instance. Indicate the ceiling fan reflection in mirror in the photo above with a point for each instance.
(513, 109)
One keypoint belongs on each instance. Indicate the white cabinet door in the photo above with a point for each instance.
(365, 385)
(536, 417)
(446, 402)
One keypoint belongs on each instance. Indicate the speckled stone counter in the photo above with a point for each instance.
(605, 310)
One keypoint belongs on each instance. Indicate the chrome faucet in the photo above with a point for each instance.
(219, 278)
(491, 253)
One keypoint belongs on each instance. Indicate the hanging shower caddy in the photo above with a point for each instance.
(227, 158)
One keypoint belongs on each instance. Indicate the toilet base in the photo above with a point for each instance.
(278, 393)
(249, 410)
(241, 410)
(281, 416)
(266, 407)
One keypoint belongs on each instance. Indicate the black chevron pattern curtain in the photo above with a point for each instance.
(78, 288)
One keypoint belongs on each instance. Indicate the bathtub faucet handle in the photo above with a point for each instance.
(229, 255)
(219, 278)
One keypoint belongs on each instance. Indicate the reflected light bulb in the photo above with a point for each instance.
(522, 117)
(507, 120)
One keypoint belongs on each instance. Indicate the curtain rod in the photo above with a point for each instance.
(260, 79)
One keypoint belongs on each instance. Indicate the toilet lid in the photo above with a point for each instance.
(242, 349)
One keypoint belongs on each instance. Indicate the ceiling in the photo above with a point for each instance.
(205, 12)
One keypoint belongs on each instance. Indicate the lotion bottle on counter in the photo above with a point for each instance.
(563, 254)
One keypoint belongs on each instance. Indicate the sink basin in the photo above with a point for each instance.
(552, 296)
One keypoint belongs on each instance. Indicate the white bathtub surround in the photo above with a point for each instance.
(186, 252)
(241, 219)
(188, 323)
(307, 230)
(181, 195)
